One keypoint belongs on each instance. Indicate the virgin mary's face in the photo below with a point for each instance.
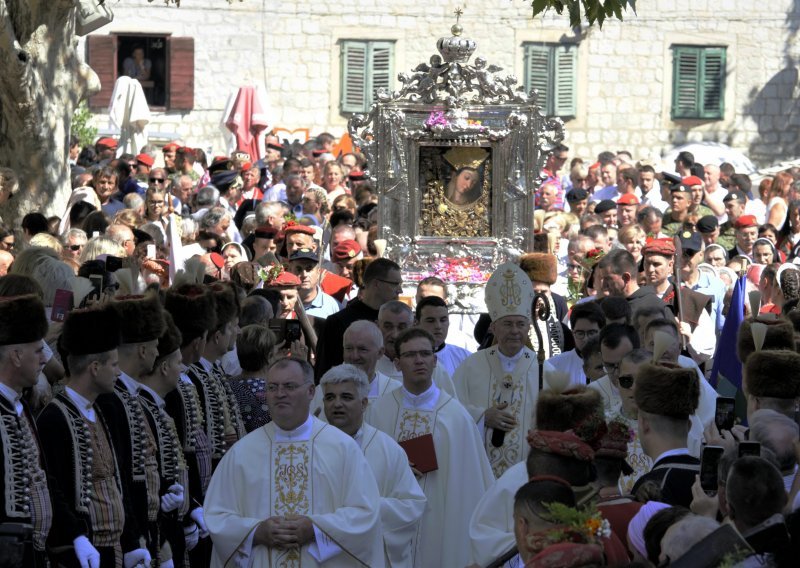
(465, 181)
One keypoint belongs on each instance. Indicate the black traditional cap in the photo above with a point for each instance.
(170, 340)
(192, 308)
(672, 392)
(22, 319)
(141, 317)
(91, 331)
(691, 241)
(274, 146)
(605, 205)
(707, 224)
(577, 194)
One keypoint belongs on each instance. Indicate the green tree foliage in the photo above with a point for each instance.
(594, 11)
(81, 128)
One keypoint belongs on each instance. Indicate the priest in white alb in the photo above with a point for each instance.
(499, 385)
(418, 412)
(345, 389)
(296, 492)
(362, 346)
(393, 318)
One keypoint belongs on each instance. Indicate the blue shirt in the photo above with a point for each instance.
(322, 305)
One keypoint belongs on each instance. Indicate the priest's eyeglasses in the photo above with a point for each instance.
(580, 334)
(411, 355)
(287, 387)
(611, 368)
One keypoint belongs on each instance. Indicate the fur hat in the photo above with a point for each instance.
(540, 267)
(579, 409)
(142, 318)
(91, 331)
(665, 391)
(192, 309)
(780, 335)
(170, 340)
(22, 319)
(772, 374)
(226, 302)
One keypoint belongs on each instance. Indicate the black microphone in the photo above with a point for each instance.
(498, 437)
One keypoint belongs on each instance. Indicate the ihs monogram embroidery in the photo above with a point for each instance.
(414, 423)
(292, 495)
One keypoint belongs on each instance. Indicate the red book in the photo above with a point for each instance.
(421, 453)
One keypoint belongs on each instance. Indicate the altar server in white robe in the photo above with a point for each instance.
(499, 385)
(432, 316)
(393, 318)
(463, 473)
(362, 346)
(345, 390)
(296, 492)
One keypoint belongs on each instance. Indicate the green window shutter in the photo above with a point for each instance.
(685, 88)
(712, 86)
(381, 69)
(564, 97)
(538, 70)
(353, 96)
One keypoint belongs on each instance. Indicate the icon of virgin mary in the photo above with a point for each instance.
(458, 205)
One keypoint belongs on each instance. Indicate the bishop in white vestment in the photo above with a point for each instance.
(297, 496)
(499, 385)
(463, 473)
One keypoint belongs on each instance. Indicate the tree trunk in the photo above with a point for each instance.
(42, 80)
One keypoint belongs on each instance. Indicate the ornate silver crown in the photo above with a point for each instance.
(455, 48)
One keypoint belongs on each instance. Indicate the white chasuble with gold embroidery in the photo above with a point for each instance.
(455, 487)
(323, 476)
(481, 383)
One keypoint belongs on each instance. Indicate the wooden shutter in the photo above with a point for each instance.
(381, 69)
(181, 73)
(685, 88)
(565, 95)
(538, 70)
(353, 96)
(101, 55)
(712, 96)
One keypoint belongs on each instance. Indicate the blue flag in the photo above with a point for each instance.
(726, 374)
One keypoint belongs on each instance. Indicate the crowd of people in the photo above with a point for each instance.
(212, 364)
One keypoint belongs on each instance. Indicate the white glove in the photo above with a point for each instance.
(136, 558)
(191, 535)
(86, 553)
(197, 517)
(173, 498)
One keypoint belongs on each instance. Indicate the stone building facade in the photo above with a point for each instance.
(615, 86)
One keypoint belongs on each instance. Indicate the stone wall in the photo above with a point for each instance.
(624, 70)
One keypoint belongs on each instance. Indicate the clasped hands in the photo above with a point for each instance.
(497, 418)
(283, 532)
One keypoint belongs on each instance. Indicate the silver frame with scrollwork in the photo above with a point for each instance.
(481, 108)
